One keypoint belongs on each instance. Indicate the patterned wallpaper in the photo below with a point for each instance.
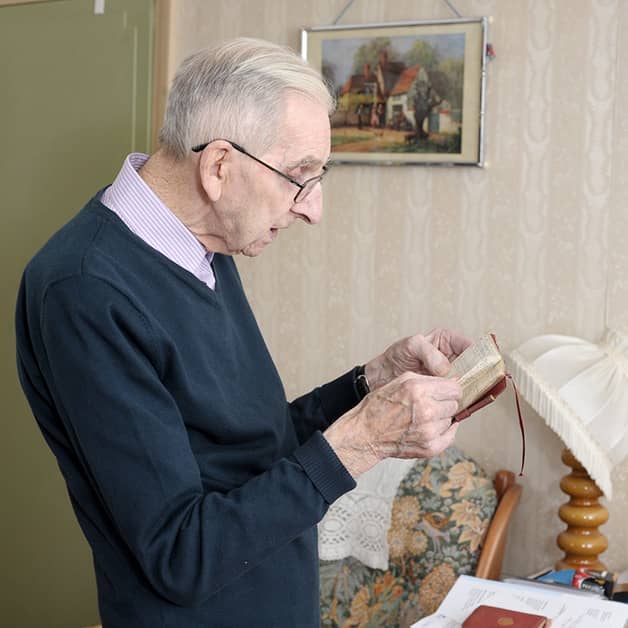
(533, 243)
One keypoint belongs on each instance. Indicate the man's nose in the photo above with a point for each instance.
(310, 209)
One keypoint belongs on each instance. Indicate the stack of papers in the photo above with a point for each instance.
(565, 609)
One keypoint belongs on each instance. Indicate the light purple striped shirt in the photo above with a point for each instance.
(148, 218)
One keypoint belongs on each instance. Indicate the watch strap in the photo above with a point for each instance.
(360, 382)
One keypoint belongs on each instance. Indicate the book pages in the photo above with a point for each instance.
(478, 369)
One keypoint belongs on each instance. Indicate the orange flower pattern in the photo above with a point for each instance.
(434, 587)
(462, 478)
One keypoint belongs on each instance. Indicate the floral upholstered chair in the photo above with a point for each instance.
(444, 522)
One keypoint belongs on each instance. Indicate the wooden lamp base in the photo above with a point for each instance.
(581, 541)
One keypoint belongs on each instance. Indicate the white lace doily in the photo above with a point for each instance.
(357, 523)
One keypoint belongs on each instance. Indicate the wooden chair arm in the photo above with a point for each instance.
(492, 554)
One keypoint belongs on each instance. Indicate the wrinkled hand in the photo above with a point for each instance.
(428, 355)
(409, 417)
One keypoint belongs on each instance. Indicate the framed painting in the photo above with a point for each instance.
(407, 92)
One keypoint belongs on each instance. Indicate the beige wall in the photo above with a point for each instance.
(528, 245)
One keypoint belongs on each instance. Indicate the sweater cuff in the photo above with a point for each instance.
(323, 467)
(338, 396)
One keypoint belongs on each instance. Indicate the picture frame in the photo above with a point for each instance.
(407, 92)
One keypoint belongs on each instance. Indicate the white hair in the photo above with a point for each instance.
(236, 91)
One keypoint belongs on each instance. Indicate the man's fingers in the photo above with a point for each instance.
(447, 393)
(449, 408)
(433, 360)
(428, 448)
(448, 341)
(436, 388)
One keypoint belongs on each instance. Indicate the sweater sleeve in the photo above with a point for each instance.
(131, 448)
(318, 409)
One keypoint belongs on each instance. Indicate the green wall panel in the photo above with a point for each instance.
(74, 100)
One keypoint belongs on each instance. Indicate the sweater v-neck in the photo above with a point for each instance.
(113, 220)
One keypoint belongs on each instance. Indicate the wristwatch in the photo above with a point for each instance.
(360, 382)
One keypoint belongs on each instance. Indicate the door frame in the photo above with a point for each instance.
(161, 51)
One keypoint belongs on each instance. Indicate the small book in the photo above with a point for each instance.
(481, 371)
(493, 617)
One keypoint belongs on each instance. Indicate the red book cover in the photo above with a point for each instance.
(494, 617)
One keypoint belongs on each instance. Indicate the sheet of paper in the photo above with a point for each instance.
(565, 609)
(436, 621)
(469, 592)
(590, 613)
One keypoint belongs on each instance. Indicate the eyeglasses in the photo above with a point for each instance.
(304, 188)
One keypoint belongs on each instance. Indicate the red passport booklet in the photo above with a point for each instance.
(494, 617)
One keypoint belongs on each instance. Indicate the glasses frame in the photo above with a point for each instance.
(299, 196)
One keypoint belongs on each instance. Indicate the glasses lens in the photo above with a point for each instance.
(305, 190)
(308, 186)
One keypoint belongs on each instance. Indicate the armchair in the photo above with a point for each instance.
(448, 518)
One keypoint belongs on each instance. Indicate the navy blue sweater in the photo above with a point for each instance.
(197, 485)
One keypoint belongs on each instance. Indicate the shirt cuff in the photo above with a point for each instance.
(324, 468)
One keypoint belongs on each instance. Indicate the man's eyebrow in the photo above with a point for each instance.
(308, 162)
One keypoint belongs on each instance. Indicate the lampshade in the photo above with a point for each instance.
(580, 389)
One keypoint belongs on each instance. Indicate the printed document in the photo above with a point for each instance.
(566, 610)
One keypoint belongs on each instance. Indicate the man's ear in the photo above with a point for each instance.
(215, 167)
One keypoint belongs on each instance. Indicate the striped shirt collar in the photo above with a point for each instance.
(147, 217)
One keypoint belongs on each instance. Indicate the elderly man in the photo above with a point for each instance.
(196, 483)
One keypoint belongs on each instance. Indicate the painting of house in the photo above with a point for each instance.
(402, 94)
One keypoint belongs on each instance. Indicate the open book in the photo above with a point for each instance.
(481, 371)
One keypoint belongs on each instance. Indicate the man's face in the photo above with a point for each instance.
(262, 202)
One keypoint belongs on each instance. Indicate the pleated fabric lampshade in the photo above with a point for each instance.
(580, 388)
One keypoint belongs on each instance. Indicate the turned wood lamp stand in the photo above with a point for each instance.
(581, 541)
